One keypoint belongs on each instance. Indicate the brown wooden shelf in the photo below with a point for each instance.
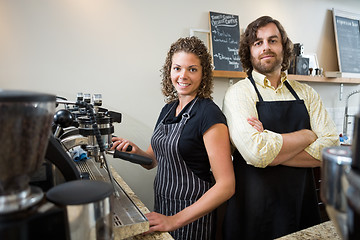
(301, 78)
(229, 74)
(305, 78)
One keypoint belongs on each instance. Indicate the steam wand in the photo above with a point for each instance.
(91, 113)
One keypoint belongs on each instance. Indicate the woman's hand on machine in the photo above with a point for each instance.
(123, 145)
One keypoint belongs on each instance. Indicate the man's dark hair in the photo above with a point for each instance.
(249, 37)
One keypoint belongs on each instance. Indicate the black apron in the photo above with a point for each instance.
(176, 186)
(274, 201)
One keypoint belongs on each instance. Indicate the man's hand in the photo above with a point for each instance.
(255, 123)
(292, 152)
(295, 143)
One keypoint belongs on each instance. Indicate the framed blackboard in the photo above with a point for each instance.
(225, 37)
(347, 35)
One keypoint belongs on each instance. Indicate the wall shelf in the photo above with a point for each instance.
(301, 78)
(229, 74)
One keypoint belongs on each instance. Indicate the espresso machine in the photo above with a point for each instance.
(85, 125)
(28, 208)
(340, 186)
(44, 192)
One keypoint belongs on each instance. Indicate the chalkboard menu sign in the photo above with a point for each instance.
(347, 34)
(225, 37)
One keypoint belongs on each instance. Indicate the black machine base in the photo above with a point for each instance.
(43, 221)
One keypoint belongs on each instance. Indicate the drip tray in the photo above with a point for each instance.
(128, 219)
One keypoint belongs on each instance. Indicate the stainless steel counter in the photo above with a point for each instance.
(143, 209)
(128, 210)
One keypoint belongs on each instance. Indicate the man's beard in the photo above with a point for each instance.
(264, 68)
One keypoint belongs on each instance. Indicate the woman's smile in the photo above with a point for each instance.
(186, 74)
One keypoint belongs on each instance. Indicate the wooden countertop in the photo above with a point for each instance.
(323, 231)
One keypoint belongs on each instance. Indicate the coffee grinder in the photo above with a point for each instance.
(25, 124)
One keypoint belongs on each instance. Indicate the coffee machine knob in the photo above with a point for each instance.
(63, 118)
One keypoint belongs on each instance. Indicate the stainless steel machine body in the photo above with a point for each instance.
(88, 206)
(340, 187)
(334, 185)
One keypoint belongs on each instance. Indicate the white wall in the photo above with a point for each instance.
(117, 47)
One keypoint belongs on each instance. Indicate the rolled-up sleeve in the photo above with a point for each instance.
(321, 124)
(258, 149)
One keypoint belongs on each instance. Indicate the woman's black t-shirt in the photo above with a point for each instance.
(204, 114)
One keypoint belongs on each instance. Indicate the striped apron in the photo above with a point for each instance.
(176, 186)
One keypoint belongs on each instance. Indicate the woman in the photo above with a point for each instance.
(190, 138)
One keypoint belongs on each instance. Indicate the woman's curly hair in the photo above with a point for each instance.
(189, 45)
(249, 37)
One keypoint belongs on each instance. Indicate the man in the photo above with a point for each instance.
(279, 128)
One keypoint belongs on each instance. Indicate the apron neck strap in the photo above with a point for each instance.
(186, 115)
(287, 84)
(257, 91)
